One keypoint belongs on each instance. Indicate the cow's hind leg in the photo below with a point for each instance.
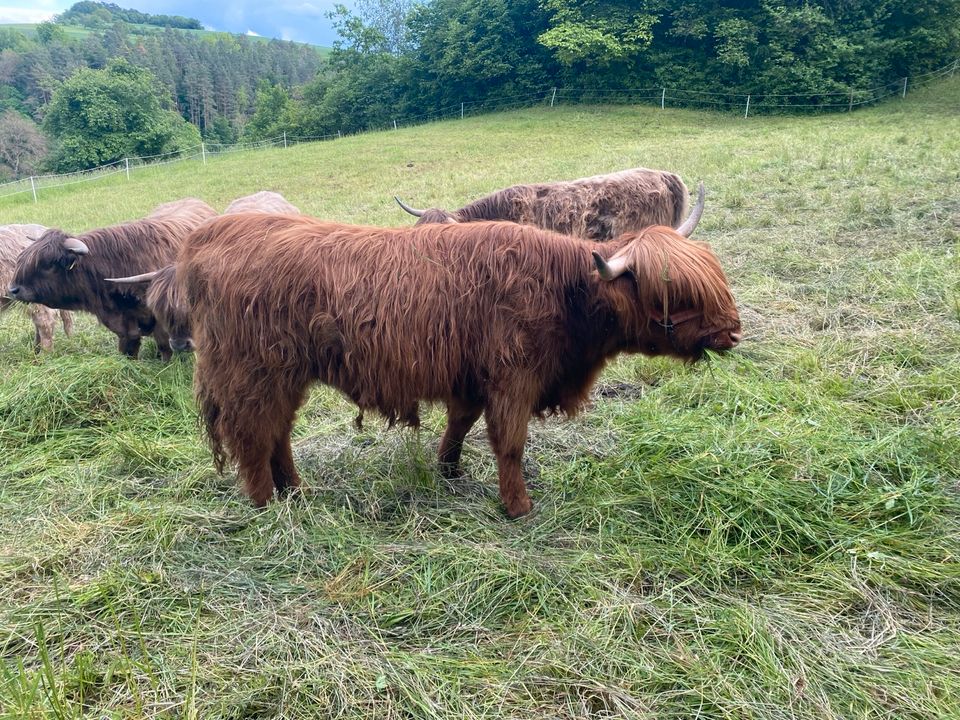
(461, 416)
(507, 418)
(285, 476)
(257, 431)
(252, 455)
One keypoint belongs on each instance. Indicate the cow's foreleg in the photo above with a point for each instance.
(44, 321)
(163, 343)
(129, 345)
(461, 416)
(507, 418)
(66, 317)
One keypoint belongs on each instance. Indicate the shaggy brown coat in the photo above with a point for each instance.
(594, 208)
(14, 239)
(494, 318)
(68, 272)
(265, 201)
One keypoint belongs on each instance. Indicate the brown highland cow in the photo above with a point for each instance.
(594, 208)
(69, 272)
(498, 319)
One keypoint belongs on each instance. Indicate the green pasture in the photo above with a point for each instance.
(772, 534)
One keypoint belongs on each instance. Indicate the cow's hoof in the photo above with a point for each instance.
(519, 508)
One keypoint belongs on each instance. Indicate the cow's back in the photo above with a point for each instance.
(387, 315)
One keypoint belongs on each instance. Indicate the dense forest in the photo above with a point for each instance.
(452, 51)
(209, 79)
(401, 59)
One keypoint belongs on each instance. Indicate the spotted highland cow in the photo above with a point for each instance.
(265, 201)
(14, 239)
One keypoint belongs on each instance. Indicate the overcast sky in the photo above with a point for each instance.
(301, 20)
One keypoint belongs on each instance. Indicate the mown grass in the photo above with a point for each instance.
(773, 534)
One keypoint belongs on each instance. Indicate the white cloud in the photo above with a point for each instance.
(303, 8)
(251, 33)
(24, 15)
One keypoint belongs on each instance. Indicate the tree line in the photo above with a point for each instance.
(400, 59)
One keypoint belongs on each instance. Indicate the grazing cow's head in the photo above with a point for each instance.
(166, 302)
(433, 216)
(43, 272)
(671, 295)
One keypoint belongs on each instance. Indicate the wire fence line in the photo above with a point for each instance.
(747, 103)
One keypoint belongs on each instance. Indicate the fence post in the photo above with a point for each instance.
(33, 187)
(663, 97)
(904, 87)
(284, 139)
(203, 153)
(126, 161)
(394, 124)
(553, 97)
(339, 135)
(461, 111)
(850, 107)
(747, 111)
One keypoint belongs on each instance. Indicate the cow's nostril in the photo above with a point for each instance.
(735, 337)
(13, 290)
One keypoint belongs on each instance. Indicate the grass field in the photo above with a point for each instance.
(773, 535)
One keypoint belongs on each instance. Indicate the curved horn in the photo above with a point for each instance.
(145, 277)
(609, 270)
(77, 247)
(690, 224)
(412, 211)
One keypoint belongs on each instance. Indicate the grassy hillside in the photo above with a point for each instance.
(773, 535)
(78, 32)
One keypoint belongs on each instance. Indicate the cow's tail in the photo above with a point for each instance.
(681, 199)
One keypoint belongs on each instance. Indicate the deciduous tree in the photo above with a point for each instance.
(22, 145)
(100, 116)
